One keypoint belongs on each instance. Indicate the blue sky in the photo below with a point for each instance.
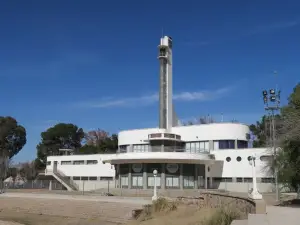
(93, 63)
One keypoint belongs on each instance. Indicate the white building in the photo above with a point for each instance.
(214, 155)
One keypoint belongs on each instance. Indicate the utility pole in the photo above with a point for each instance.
(272, 105)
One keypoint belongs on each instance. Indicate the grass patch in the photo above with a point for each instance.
(222, 216)
(159, 207)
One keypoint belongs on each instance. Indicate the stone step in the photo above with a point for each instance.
(258, 219)
(239, 222)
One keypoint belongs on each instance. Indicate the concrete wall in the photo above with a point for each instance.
(235, 168)
(203, 132)
(88, 185)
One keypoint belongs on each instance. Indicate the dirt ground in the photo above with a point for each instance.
(63, 212)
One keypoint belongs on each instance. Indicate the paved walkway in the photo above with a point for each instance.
(283, 215)
(113, 199)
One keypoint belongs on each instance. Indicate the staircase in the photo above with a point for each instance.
(63, 179)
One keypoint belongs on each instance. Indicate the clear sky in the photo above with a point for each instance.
(94, 63)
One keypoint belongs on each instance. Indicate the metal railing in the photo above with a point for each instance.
(166, 149)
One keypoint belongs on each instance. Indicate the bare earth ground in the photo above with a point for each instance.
(45, 211)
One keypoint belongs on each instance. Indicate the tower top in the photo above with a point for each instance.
(166, 41)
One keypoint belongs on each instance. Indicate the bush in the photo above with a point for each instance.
(161, 205)
(223, 216)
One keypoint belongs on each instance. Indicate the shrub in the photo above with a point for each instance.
(223, 216)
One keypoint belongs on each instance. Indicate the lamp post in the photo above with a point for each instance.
(272, 104)
(254, 194)
(154, 197)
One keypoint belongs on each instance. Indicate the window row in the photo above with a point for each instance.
(93, 178)
(243, 179)
(264, 158)
(140, 148)
(229, 144)
(197, 147)
(76, 162)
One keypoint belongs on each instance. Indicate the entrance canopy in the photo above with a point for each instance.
(161, 157)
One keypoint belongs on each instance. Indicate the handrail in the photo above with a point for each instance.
(61, 175)
(167, 149)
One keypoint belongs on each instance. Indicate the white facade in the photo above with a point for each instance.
(82, 166)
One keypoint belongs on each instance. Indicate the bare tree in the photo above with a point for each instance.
(95, 137)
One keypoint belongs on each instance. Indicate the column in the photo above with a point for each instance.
(211, 145)
(163, 177)
(129, 177)
(196, 177)
(205, 177)
(235, 144)
(50, 185)
(130, 148)
(181, 176)
(119, 176)
(145, 178)
(210, 176)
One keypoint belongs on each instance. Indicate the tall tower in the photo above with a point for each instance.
(165, 83)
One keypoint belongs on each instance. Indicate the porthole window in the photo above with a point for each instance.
(249, 158)
(266, 158)
(238, 158)
(228, 159)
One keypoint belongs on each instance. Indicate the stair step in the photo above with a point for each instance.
(255, 219)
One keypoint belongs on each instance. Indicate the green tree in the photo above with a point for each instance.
(12, 137)
(288, 160)
(261, 129)
(12, 140)
(60, 136)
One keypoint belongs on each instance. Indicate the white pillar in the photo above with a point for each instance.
(50, 185)
(254, 194)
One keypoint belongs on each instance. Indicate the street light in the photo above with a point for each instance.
(272, 104)
(154, 197)
(254, 193)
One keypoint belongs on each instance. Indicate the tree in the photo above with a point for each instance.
(60, 136)
(99, 141)
(12, 137)
(28, 171)
(288, 159)
(12, 140)
(262, 131)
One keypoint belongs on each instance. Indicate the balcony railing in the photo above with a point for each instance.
(165, 149)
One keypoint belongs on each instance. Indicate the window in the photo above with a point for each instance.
(197, 146)
(226, 144)
(48, 163)
(228, 159)
(92, 178)
(66, 162)
(141, 148)
(248, 180)
(266, 158)
(76, 178)
(242, 144)
(222, 179)
(267, 180)
(239, 180)
(123, 148)
(84, 178)
(78, 162)
(89, 162)
(106, 178)
(238, 159)
(249, 158)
